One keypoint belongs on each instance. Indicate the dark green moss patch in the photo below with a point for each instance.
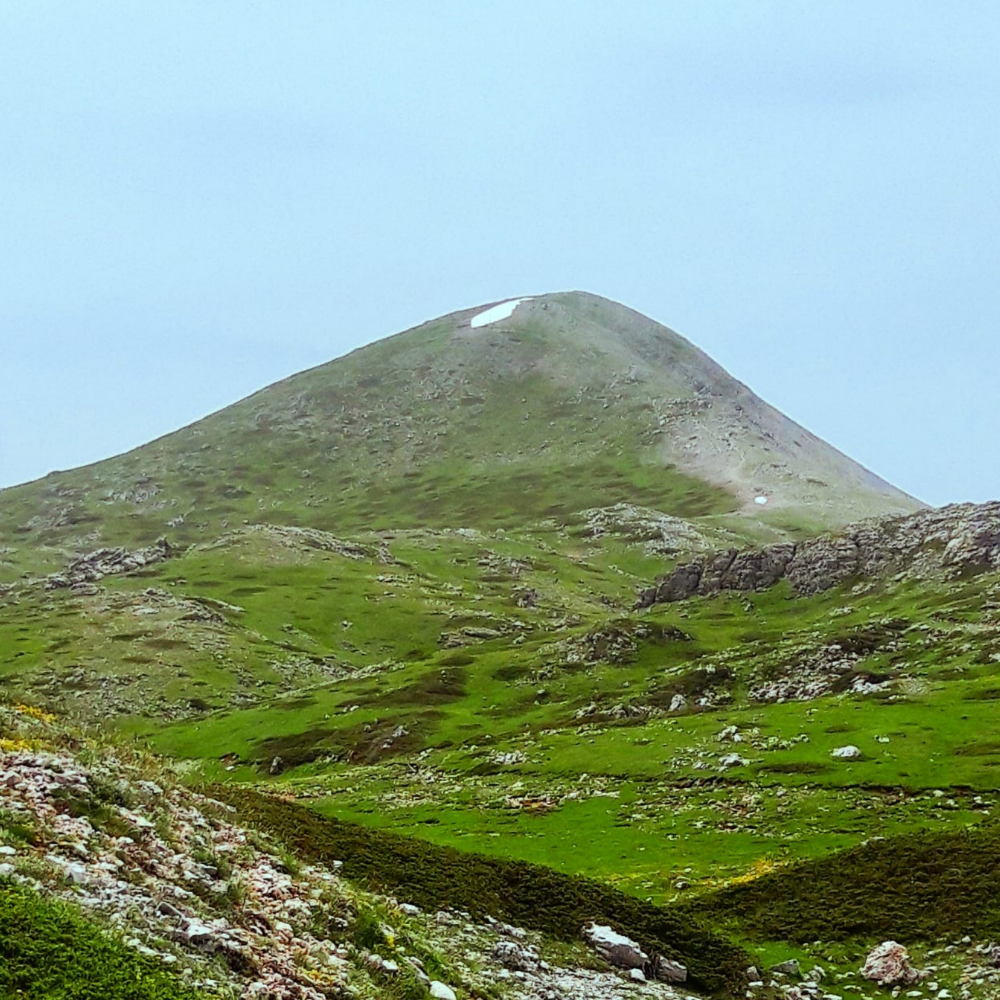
(511, 672)
(983, 694)
(435, 688)
(48, 951)
(796, 767)
(692, 685)
(916, 887)
(456, 660)
(364, 743)
(870, 638)
(296, 748)
(982, 749)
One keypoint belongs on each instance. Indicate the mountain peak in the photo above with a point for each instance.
(502, 415)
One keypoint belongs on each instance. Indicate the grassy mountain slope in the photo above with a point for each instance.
(401, 589)
(574, 402)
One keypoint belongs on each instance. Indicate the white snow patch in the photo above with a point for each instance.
(760, 500)
(496, 313)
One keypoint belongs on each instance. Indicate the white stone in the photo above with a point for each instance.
(75, 874)
(441, 992)
(850, 752)
(733, 760)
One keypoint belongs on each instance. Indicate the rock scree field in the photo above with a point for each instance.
(524, 654)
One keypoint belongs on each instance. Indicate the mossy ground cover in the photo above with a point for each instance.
(48, 951)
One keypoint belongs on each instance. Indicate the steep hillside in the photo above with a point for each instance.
(571, 402)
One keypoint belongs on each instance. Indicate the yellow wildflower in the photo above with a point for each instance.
(35, 713)
(14, 746)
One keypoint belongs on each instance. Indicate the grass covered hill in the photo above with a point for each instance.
(572, 402)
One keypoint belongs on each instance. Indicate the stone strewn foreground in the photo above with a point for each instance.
(232, 913)
(958, 540)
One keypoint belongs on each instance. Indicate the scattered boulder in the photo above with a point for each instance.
(614, 947)
(386, 966)
(732, 760)
(790, 967)
(418, 969)
(662, 534)
(526, 597)
(850, 752)
(516, 957)
(889, 965)
(439, 991)
(666, 970)
(196, 932)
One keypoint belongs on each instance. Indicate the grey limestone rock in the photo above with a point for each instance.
(93, 566)
(668, 971)
(953, 541)
(614, 947)
(790, 967)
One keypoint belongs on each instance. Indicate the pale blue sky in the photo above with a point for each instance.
(197, 199)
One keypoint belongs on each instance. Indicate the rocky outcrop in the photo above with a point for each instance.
(517, 957)
(661, 533)
(954, 541)
(109, 562)
(667, 971)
